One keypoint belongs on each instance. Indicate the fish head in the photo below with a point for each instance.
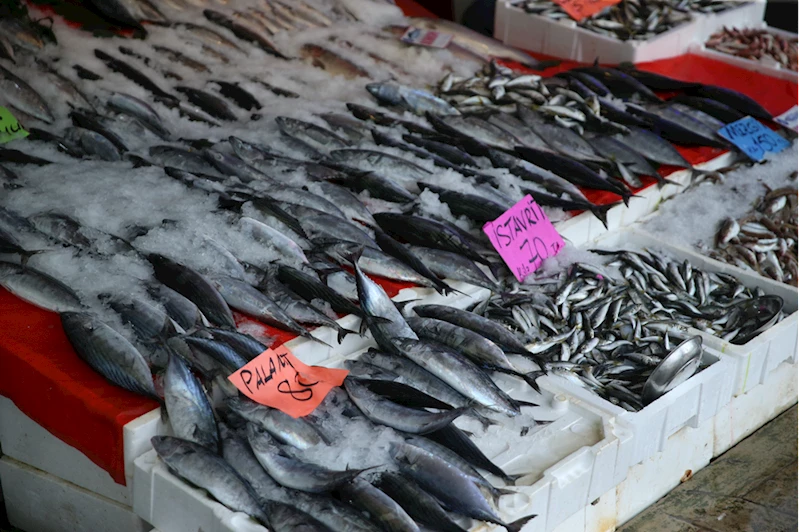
(167, 446)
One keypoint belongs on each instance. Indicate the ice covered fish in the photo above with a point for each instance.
(190, 413)
(296, 432)
(290, 472)
(20, 95)
(38, 288)
(108, 352)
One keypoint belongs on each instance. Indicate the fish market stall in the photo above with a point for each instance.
(326, 263)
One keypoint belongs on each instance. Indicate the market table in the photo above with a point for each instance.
(46, 380)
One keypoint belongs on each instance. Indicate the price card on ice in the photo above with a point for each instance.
(753, 138)
(420, 37)
(278, 379)
(524, 237)
(789, 118)
(580, 9)
(9, 127)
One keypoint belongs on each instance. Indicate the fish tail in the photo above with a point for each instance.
(309, 336)
(662, 181)
(531, 378)
(342, 333)
(25, 256)
(517, 525)
(601, 212)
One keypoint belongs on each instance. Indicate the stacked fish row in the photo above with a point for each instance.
(632, 19)
(764, 241)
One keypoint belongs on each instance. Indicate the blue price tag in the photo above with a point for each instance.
(753, 138)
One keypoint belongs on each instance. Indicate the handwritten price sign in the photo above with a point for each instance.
(580, 9)
(753, 138)
(278, 379)
(9, 127)
(524, 237)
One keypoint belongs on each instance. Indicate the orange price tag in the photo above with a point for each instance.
(579, 9)
(278, 379)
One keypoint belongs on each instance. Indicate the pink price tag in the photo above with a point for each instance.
(524, 237)
(420, 37)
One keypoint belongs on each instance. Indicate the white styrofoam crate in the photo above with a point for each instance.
(39, 502)
(564, 39)
(585, 227)
(690, 404)
(767, 66)
(26, 441)
(758, 357)
(748, 15)
(568, 464)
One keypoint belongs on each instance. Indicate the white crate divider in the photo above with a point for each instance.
(37, 501)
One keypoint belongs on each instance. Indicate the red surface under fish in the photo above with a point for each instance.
(42, 375)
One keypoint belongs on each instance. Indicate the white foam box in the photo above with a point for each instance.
(767, 65)
(37, 501)
(564, 39)
(747, 15)
(585, 227)
(567, 464)
(761, 355)
(27, 442)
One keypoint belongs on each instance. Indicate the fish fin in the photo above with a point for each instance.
(402, 304)
(511, 479)
(601, 212)
(342, 333)
(530, 379)
(26, 256)
(373, 319)
(518, 402)
(518, 524)
(311, 337)
(484, 421)
(164, 414)
(663, 181)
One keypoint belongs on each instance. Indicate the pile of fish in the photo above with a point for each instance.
(179, 210)
(632, 19)
(763, 241)
(756, 44)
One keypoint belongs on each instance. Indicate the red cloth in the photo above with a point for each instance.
(41, 373)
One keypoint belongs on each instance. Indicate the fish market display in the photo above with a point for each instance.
(632, 20)
(238, 174)
(756, 44)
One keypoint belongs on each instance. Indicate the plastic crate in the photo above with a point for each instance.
(758, 357)
(27, 442)
(768, 67)
(39, 502)
(570, 462)
(564, 39)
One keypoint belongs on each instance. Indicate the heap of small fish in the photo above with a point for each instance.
(609, 333)
(756, 44)
(763, 241)
(628, 20)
